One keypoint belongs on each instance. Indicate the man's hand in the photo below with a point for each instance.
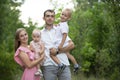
(67, 48)
(60, 47)
(53, 51)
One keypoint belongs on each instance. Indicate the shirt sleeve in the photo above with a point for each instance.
(64, 28)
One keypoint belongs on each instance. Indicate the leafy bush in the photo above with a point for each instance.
(7, 65)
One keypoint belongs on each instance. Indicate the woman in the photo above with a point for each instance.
(24, 56)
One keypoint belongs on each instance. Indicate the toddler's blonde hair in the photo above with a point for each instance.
(36, 32)
(69, 11)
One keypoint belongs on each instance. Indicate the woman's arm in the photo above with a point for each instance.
(27, 62)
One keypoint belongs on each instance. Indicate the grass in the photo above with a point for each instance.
(79, 76)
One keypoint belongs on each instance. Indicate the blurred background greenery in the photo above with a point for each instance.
(94, 28)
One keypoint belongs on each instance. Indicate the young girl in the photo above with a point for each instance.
(24, 56)
(37, 47)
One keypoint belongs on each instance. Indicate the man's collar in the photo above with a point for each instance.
(52, 27)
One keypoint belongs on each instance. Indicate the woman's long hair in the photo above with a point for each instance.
(17, 42)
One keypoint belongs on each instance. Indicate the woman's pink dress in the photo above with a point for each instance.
(28, 73)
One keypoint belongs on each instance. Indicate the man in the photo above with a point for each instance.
(48, 36)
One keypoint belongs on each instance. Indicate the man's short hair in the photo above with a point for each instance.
(49, 10)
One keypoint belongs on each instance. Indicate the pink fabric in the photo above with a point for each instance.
(28, 73)
(37, 47)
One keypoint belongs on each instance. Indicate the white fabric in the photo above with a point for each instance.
(62, 28)
(49, 38)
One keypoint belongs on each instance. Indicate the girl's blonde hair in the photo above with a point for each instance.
(36, 31)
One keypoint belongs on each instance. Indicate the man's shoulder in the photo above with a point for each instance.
(42, 29)
(56, 27)
(63, 23)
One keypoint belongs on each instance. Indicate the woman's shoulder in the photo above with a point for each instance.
(23, 49)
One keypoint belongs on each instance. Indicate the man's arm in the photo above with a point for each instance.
(63, 50)
(68, 48)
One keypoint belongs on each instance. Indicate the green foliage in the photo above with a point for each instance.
(57, 16)
(92, 30)
(9, 22)
(116, 74)
(30, 28)
(102, 62)
(7, 65)
(87, 51)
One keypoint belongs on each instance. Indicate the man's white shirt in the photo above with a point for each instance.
(49, 37)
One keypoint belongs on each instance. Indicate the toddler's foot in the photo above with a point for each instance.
(76, 68)
(39, 73)
(61, 68)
